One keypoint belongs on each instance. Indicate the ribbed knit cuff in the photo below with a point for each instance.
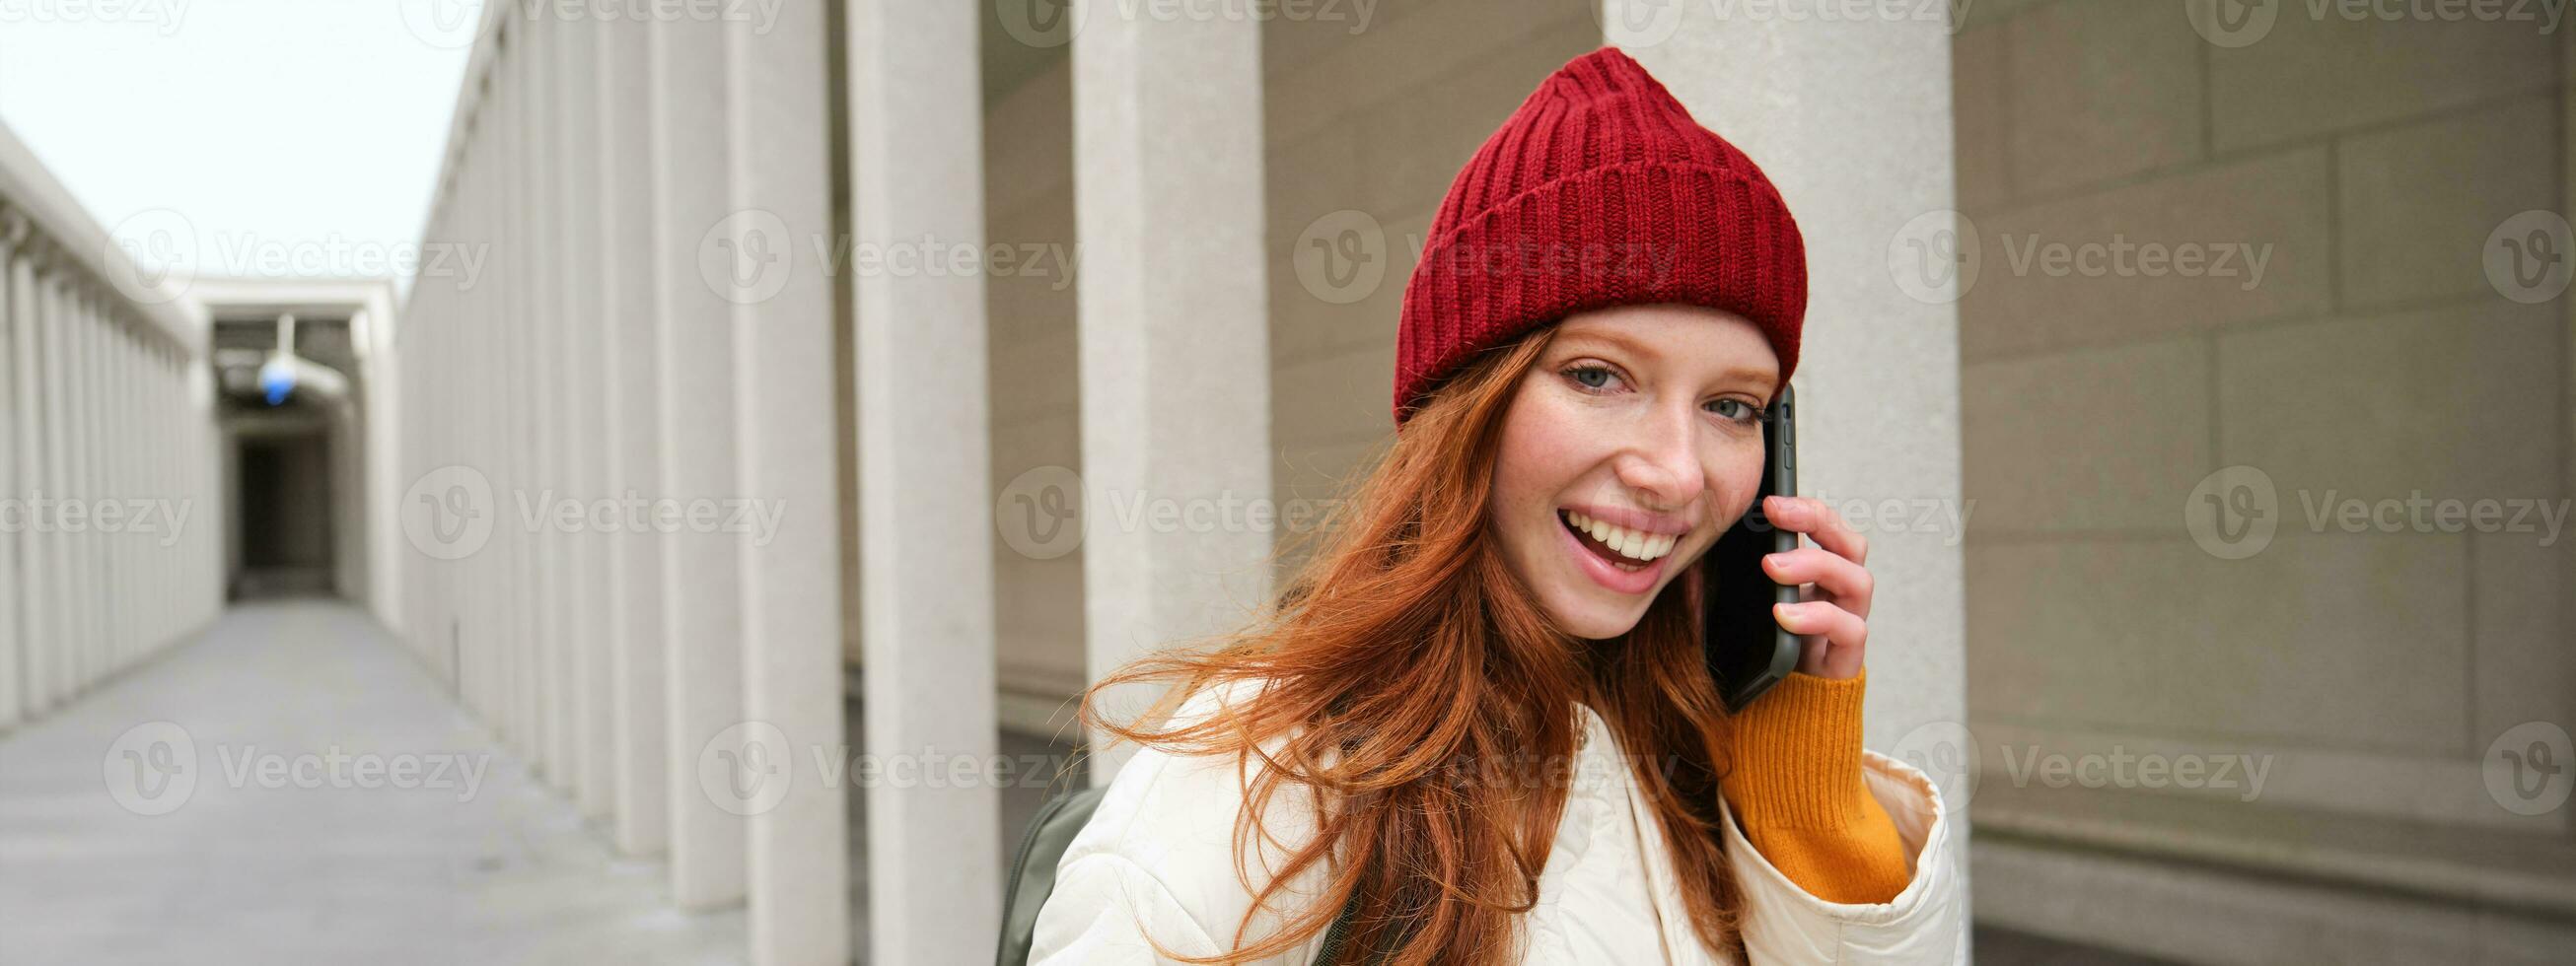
(1798, 755)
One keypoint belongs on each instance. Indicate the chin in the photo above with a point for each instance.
(1596, 622)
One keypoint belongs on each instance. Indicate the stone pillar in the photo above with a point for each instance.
(799, 886)
(1175, 328)
(80, 438)
(62, 624)
(924, 458)
(27, 429)
(117, 487)
(548, 468)
(692, 68)
(522, 601)
(1851, 119)
(638, 639)
(14, 468)
(582, 445)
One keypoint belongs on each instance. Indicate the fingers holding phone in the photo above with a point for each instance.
(1831, 615)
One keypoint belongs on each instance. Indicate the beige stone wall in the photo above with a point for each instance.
(1366, 130)
(2372, 359)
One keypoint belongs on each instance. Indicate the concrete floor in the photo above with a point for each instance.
(253, 870)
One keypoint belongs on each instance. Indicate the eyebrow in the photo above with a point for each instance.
(1640, 348)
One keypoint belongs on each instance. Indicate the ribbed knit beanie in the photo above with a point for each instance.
(1599, 190)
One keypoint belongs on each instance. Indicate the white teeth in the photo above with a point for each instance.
(1628, 543)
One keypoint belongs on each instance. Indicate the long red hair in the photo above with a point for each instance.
(1406, 648)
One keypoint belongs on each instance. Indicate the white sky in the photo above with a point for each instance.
(293, 137)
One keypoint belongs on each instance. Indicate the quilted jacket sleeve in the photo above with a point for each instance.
(1785, 924)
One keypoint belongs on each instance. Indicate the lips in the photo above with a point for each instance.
(1606, 565)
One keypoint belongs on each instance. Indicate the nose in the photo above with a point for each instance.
(1661, 463)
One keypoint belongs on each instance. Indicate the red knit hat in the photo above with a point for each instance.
(1599, 190)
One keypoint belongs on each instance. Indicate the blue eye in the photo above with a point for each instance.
(1571, 372)
(1745, 414)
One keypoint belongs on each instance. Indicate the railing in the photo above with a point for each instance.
(110, 516)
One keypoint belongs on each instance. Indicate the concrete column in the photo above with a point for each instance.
(692, 68)
(125, 595)
(63, 625)
(582, 447)
(783, 375)
(13, 470)
(479, 439)
(525, 598)
(924, 460)
(639, 648)
(1852, 120)
(94, 442)
(28, 421)
(547, 469)
(88, 586)
(153, 454)
(1175, 335)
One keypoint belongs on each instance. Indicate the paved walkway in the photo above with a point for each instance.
(262, 856)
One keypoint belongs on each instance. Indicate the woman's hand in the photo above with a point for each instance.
(1831, 618)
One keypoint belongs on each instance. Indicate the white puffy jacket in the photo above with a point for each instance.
(1158, 858)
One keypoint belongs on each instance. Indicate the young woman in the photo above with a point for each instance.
(1478, 721)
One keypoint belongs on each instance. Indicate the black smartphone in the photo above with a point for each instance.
(1748, 651)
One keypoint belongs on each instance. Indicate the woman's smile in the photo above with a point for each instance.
(1625, 560)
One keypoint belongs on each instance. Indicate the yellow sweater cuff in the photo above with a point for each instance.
(1797, 789)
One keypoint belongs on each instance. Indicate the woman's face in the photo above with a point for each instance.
(1640, 424)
